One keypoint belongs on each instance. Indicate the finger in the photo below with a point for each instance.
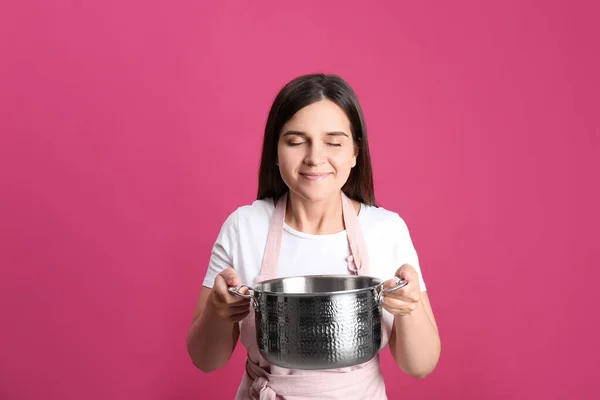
(406, 293)
(225, 291)
(224, 296)
(395, 308)
(240, 316)
(244, 290)
(227, 299)
(241, 303)
(399, 307)
(408, 275)
(223, 281)
(219, 283)
(239, 311)
(231, 277)
(229, 311)
(406, 272)
(395, 302)
(404, 286)
(390, 283)
(409, 297)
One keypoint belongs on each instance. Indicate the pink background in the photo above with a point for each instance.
(120, 121)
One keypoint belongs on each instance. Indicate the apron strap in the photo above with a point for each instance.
(270, 259)
(358, 262)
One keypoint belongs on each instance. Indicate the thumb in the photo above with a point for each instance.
(405, 273)
(231, 277)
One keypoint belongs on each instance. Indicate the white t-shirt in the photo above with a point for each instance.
(243, 238)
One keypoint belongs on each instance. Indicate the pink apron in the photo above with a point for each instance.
(264, 381)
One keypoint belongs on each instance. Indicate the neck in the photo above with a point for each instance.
(315, 217)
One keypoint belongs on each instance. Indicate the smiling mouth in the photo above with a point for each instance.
(315, 177)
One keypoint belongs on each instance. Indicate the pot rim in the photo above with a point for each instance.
(318, 294)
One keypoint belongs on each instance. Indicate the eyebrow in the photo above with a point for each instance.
(298, 133)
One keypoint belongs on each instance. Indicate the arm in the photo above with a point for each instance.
(415, 341)
(215, 331)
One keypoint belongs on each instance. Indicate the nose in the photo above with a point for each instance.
(315, 155)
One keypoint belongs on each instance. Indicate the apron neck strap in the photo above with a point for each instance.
(358, 262)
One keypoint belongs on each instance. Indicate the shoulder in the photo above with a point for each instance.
(381, 219)
(256, 209)
(257, 213)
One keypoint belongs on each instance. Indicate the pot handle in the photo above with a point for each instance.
(400, 283)
(236, 290)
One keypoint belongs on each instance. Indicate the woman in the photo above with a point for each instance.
(315, 173)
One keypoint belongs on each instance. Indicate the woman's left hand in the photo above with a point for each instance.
(403, 301)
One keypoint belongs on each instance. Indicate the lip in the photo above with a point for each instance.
(313, 176)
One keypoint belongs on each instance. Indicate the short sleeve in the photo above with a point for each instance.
(406, 251)
(223, 250)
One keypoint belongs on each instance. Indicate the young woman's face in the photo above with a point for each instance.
(316, 151)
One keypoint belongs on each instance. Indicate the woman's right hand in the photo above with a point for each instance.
(228, 306)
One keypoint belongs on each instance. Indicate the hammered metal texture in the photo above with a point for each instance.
(318, 332)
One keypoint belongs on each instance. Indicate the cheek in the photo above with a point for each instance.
(286, 159)
(343, 162)
(283, 154)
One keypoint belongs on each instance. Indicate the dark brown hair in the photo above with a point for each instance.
(297, 94)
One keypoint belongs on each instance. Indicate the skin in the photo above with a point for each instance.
(316, 153)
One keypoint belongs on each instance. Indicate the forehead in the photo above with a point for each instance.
(322, 116)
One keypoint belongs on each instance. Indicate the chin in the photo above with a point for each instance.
(314, 195)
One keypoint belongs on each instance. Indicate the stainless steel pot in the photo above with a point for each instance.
(319, 321)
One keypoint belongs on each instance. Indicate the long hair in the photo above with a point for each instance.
(297, 94)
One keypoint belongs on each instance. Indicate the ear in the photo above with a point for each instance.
(355, 156)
